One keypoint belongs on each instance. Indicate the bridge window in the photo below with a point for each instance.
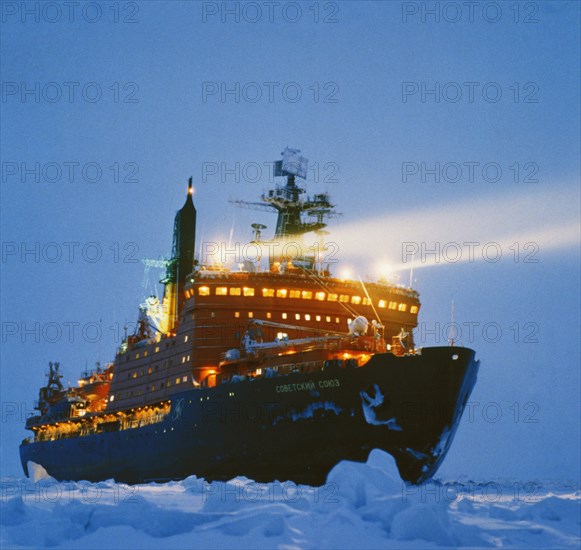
(382, 303)
(320, 296)
(298, 316)
(235, 291)
(307, 317)
(221, 291)
(344, 298)
(307, 295)
(284, 316)
(248, 291)
(204, 291)
(402, 307)
(392, 305)
(355, 299)
(337, 320)
(366, 301)
(268, 292)
(318, 318)
(281, 293)
(414, 309)
(328, 318)
(332, 297)
(295, 294)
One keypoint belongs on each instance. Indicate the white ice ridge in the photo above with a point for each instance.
(361, 506)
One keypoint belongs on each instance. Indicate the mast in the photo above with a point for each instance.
(181, 263)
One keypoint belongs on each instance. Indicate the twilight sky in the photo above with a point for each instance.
(429, 130)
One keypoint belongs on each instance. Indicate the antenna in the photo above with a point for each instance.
(453, 326)
(412, 271)
(257, 227)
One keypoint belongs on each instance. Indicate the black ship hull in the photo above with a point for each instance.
(294, 427)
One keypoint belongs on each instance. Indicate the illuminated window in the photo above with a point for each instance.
(204, 291)
(307, 294)
(212, 314)
(281, 293)
(177, 380)
(332, 297)
(168, 383)
(186, 338)
(183, 359)
(137, 356)
(268, 292)
(337, 320)
(156, 349)
(135, 374)
(248, 291)
(402, 307)
(295, 294)
(185, 379)
(269, 315)
(284, 316)
(236, 314)
(320, 296)
(250, 314)
(344, 298)
(221, 291)
(318, 318)
(298, 316)
(153, 387)
(414, 309)
(366, 301)
(355, 299)
(145, 354)
(111, 397)
(235, 291)
(328, 318)
(307, 317)
(382, 303)
(149, 370)
(392, 305)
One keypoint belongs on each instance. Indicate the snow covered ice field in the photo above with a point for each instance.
(361, 506)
